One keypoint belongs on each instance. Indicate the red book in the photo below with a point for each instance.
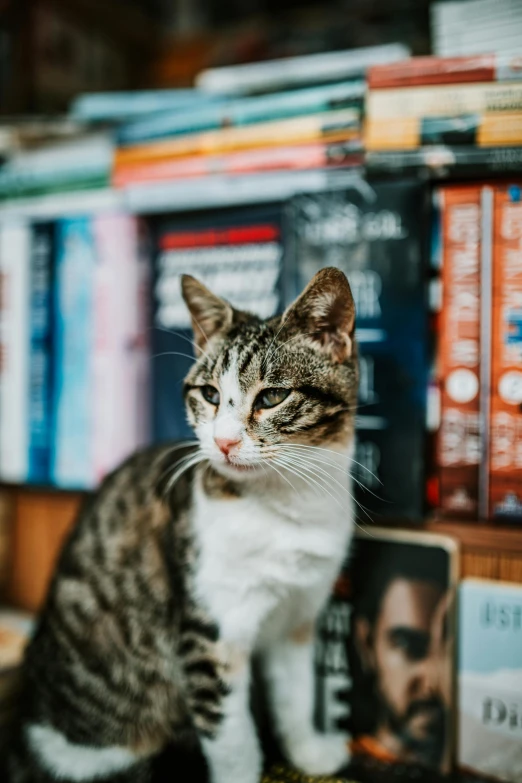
(505, 440)
(444, 70)
(459, 445)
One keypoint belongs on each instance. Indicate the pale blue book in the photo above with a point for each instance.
(122, 106)
(72, 462)
(490, 678)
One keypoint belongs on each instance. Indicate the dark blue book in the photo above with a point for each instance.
(41, 352)
(237, 254)
(375, 234)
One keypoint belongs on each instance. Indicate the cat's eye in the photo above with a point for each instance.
(210, 394)
(269, 398)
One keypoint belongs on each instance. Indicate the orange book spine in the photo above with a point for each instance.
(328, 127)
(505, 446)
(459, 352)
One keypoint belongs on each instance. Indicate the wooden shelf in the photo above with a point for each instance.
(41, 517)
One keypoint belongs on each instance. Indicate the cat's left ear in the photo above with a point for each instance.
(325, 312)
(210, 314)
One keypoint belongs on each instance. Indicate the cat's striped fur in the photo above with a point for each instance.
(187, 562)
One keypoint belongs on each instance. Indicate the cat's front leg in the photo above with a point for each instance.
(233, 754)
(289, 671)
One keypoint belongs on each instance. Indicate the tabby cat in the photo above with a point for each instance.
(190, 560)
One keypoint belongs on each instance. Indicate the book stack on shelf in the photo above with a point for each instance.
(271, 120)
(479, 361)
(445, 116)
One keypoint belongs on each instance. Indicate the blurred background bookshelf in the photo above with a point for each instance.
(252, 142)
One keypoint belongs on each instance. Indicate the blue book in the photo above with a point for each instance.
(40, 352)
(490, 679)
(123, 106)
(246, 111)
(237, 253)
(375, 234)
(72, 463)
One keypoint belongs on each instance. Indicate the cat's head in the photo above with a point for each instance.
(259, 387)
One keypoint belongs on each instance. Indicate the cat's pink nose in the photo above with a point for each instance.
(227, 444)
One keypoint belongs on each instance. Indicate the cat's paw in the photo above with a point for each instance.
(320, 754)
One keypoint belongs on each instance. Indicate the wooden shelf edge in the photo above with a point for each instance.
(480, 536)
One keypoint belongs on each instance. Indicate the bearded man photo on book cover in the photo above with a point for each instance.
(400, 653)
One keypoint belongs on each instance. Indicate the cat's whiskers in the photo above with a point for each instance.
(321, 461)
(316, 466)
(271, 465)
(305, 473)
(183, 465)
(181, 445)
(173, 353)
(274, 338)
(310, 461)
(331, 451)
(187, 339)
(291, 464)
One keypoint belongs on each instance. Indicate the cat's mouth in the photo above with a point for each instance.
(242, 468)
(230, 467)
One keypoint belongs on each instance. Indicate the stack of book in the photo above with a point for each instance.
(81, 162)
(285, 115)
(449, 115)
(479, 364)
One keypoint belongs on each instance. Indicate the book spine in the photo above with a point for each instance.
(332, 126)
(107, 321)
(14, 368)
(40, 358)
(141, 366)
(459, 353)
(120, 361)
(419, 71)
(486, 271)
(445, 100)
(505, 502)
(403, 133)
(443, 161)
(72, 463)
(273, 75)
(306, 156)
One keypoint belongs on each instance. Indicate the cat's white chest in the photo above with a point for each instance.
(260, 567)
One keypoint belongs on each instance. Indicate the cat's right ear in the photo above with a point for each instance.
(209, 313)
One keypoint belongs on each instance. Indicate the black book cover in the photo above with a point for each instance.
(376, 236)
(237, 254)
(441, 162)
(385, 650)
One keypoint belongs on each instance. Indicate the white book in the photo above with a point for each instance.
(293, 71)
(118, 342)
(14, 337)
